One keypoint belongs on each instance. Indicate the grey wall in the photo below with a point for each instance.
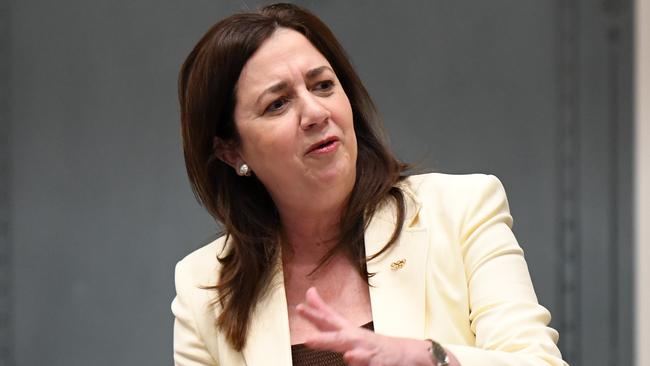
(5, 246)
(95, 208)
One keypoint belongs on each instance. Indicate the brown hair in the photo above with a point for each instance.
(207, 84)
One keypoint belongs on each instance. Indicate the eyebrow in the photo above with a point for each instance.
(314, 73)
(282, 85)
(277, 87)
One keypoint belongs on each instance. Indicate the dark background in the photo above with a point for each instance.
(95, 208)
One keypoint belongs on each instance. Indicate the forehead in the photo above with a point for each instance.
(285, 54)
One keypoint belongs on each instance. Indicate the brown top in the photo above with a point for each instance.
(305, 356)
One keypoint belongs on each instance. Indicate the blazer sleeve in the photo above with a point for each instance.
(511, 327)
(189, 347)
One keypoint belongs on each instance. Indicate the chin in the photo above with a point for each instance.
(338, 174)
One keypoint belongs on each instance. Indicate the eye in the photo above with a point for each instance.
(324, 86)
(276, 105)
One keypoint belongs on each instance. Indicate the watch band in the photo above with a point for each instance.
(438, 353)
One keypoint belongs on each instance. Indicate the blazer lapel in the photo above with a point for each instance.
(398, 286)
(268, 341)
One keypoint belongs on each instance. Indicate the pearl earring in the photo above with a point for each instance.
(244, 170)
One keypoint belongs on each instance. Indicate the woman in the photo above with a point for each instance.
(330, 252)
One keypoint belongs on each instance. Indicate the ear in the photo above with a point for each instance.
(227, 152)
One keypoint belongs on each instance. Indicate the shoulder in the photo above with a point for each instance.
(200, 267)
(455, 198)
(452, 187)
(451, 182)
(195, 307)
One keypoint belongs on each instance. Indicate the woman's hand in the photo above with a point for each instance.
(360, 347)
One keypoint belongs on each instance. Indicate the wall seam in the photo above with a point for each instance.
(568, 179)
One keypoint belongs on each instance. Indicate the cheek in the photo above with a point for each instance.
(273, 145)
(344, 111)
(346, 120)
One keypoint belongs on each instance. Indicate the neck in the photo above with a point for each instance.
(308, 237)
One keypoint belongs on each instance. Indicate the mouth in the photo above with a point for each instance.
(323, 146)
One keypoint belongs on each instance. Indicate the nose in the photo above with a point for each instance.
(313, 112)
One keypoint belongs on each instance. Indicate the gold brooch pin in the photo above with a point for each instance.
(398, 264)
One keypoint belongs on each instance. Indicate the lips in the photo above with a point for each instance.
(322, 145)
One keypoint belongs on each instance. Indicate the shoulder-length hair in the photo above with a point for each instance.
(207, 84)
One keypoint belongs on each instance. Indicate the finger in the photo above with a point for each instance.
(319, 313)
(322, 321)
(313, 299)
(357, 357)
(339, 341)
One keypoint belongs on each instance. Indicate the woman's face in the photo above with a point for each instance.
(295, 124)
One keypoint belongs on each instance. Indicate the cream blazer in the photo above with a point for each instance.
(464, 282)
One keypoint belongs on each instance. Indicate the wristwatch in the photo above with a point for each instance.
(438, 353)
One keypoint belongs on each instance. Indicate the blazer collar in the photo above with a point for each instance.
(396, 294)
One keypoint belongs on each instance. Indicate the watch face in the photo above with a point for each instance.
(438, 352)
